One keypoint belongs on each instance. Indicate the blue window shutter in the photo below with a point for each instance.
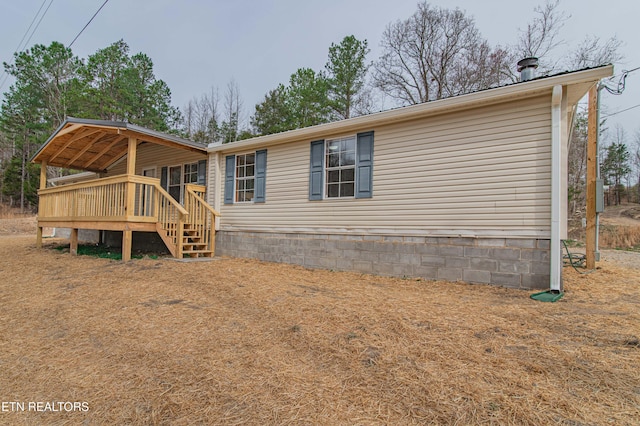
(164, 178)
(229, 174)
(202, 172)
(316, 171)
(261, 176)
(364, 165)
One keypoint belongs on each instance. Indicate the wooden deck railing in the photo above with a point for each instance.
(103, 198)
(130, 198)
(108, 200)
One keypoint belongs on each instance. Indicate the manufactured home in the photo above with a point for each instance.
(470, 188)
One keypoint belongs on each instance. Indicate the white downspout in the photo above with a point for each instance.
(556, 193)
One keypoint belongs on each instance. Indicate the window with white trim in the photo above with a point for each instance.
(340, 166)
(245, 177)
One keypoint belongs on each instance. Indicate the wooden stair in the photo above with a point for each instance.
(194, 244)
(187, 230)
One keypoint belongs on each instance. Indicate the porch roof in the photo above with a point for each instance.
(94, 145)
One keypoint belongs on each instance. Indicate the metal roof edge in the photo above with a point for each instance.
(491, 95)
(166, 136)
(97, 122)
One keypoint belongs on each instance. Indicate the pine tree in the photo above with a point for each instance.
(347, 72)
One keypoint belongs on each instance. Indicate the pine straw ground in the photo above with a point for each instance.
(237, 341)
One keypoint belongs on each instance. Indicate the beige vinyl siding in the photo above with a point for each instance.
(212, 180)
(152, 155)
(479, 172)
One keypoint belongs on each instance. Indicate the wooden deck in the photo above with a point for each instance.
(130, 203)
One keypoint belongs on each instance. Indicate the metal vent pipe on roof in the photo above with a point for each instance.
(527, 68)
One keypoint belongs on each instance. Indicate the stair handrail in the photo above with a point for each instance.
(182, 212)
(208, 225)
(197, 196)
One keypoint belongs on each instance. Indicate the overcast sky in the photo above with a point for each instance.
(197, 44)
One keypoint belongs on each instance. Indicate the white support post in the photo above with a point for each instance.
(556, 185)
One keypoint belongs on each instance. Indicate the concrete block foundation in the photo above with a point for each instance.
(521, 263)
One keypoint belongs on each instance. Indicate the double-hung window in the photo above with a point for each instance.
(245, 177)
(342, 167)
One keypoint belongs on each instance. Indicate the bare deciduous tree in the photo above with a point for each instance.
(616, 164)
(592, 52)
(577, 162)
(201, 117)
(434, 54)
(542, 34)
(230, 127)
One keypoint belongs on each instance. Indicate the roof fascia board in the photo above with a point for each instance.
(69, 129)
(53, 136)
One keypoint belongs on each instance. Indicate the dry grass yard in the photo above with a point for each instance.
(237, 341)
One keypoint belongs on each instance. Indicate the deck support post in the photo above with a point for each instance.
(127, 234)
(73, 242)
(180, 236)
(131, 170)
(43, 175)
(126, 245)
(43, 185)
